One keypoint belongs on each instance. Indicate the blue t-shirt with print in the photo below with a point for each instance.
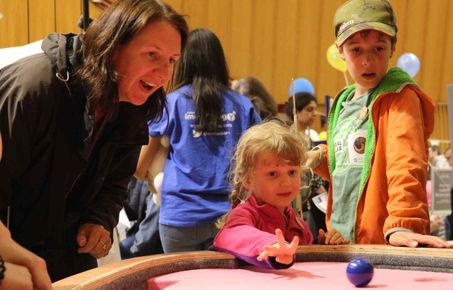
(195, 187)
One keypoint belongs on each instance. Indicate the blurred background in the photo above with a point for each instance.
(274, 40)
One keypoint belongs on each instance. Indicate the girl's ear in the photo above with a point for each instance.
(247, 184)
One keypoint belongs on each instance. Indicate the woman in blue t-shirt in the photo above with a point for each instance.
(204, 121)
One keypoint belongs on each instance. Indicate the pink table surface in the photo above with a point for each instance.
(301, 276)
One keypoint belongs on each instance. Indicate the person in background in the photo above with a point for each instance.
(447, 154)
(73, 121)
(376, 153)
(262, 228)
(262, 100)
(312, 185)
(436, 158)
(143, 237)
(204, 122)
(306, 112)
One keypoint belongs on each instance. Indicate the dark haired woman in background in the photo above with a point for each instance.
(255, 90)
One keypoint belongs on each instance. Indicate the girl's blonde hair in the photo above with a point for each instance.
(273, 136)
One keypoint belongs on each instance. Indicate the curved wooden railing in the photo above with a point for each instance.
(134, 273)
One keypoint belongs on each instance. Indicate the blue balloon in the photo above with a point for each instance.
(409, 63)
(301, 85)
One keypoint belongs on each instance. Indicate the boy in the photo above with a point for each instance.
(376, 157)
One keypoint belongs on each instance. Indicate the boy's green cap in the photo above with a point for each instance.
(357, 15)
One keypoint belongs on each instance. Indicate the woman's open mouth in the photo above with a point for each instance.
(147, 86)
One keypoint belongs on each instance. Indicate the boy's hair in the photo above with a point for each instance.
(272, 136)
(357, 15)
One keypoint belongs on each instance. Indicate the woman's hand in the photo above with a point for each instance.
(283, 251)
(94, 239)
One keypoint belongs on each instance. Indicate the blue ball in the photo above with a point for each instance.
(360, 272)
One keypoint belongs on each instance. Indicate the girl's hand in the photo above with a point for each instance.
(332, 237)
(283, 251)
(413, 240)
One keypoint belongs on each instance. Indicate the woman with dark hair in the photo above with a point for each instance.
(73, 120)
(205, 120)
(306, 106)
(255, 90)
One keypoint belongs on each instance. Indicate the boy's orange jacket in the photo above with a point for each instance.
(393, 186)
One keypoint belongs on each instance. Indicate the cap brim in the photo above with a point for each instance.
(384, 28)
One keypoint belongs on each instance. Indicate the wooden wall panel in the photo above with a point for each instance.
(68, 13)
(273, 40)
(241, 38)
(308, 27)
(289, 43)
(219, 21)
(176, 4)
(430, 72)
(262, 55)
(14, 24)
(328, 81)
(400, 9)
(446, 33)
(42, 17)
(196, 11)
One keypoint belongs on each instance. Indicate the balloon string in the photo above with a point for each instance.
(294, 106)
(298, 205)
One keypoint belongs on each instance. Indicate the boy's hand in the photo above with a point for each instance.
(312, 158)
(413, 240)
(283, 251)
(332, 237)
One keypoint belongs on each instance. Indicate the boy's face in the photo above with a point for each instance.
(273, 181)
(367, 54)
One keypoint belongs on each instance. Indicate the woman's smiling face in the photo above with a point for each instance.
(146, 63)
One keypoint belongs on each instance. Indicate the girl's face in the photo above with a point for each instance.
(367, 54)
(146, 63)
(273, 181)
(306, 117)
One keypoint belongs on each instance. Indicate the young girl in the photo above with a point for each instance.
(265, 179)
